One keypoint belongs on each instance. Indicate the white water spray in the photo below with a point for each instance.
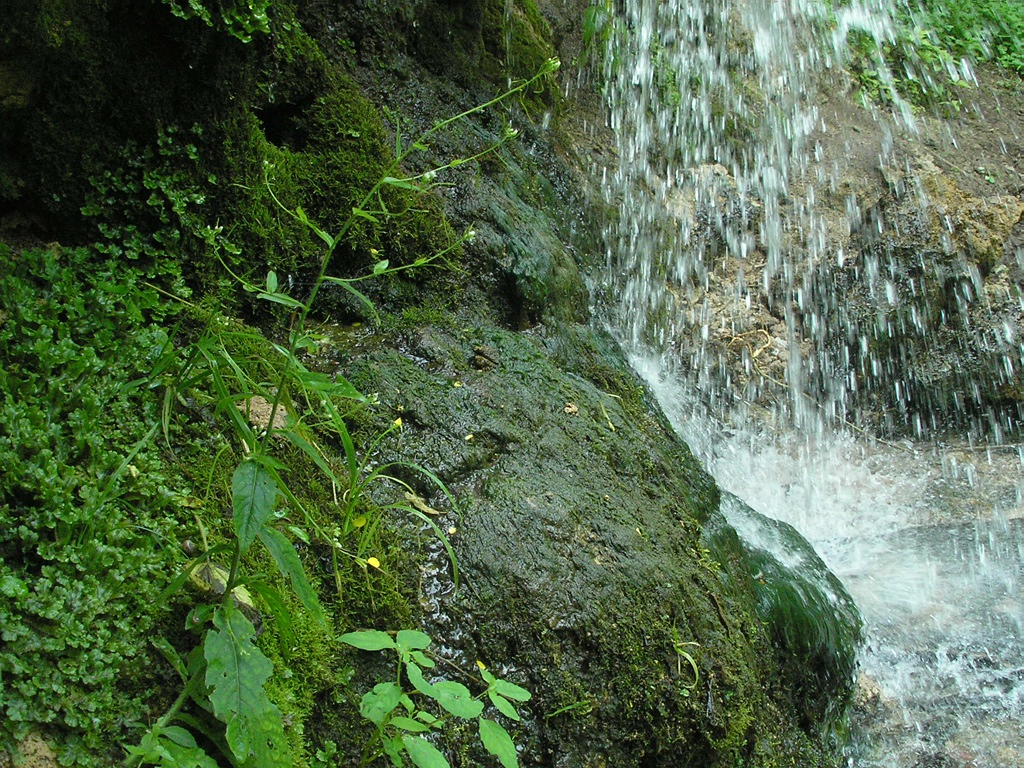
(720, 263)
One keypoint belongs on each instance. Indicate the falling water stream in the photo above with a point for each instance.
(715, 105)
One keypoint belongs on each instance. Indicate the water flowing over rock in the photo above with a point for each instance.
(795, 265)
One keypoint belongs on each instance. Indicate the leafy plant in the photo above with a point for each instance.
(148, 210)
(240, 18)
(84, 500)
(226, 679)
(401, 719)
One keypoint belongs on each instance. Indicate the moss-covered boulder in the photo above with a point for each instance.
(596, 568)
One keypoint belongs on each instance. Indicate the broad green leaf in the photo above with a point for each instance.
(503, 705)
(377, 704)
(456, 698)
(419, 682)
(408, 724)
(235, 673)
(411, 640)
(368, 640)
(511, 690)
(287, 559)
(253, 496)
(423, 753)
(179, 736)
(171, 747)
(497, 741)
(271, 281)
(380, 267)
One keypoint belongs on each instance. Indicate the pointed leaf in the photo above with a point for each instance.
(365, 215)
(278, 609)
(368, 640)
(423, 753)
(339, 386)
(179, 736)
(281, 298)
(271, 281)
(301, 216)
(391, 181)
(456, 698)
(408, 724)
(165, 648)
(497, 741)
(311, 450)
(347, 285)
(377, 704)
(511, 690)
(419, 682)
(287, 559)
(503, 705)
(253, 496)
(235, 673)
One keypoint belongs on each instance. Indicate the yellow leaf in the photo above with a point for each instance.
(374, 562)
(421, 504)
(468, 438)
(359, 522)
(452, 531)
(457, 384)
(481, 665)
(397, 422)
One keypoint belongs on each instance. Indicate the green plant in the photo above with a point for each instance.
(148, 210)
(682, 653)
(400, 718)
(982, 30)
(85, 501)
(224, 675)
(240, 18)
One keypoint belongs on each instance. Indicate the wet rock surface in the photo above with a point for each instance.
(589, 568)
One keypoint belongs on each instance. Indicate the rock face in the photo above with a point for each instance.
(900, 302)
(597, 567)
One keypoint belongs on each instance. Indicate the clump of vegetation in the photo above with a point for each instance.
(980, 30)
(87, 505)
(924, 61)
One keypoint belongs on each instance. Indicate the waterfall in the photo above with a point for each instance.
(760, 291)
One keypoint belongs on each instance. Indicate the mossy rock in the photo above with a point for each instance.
(579, 540)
